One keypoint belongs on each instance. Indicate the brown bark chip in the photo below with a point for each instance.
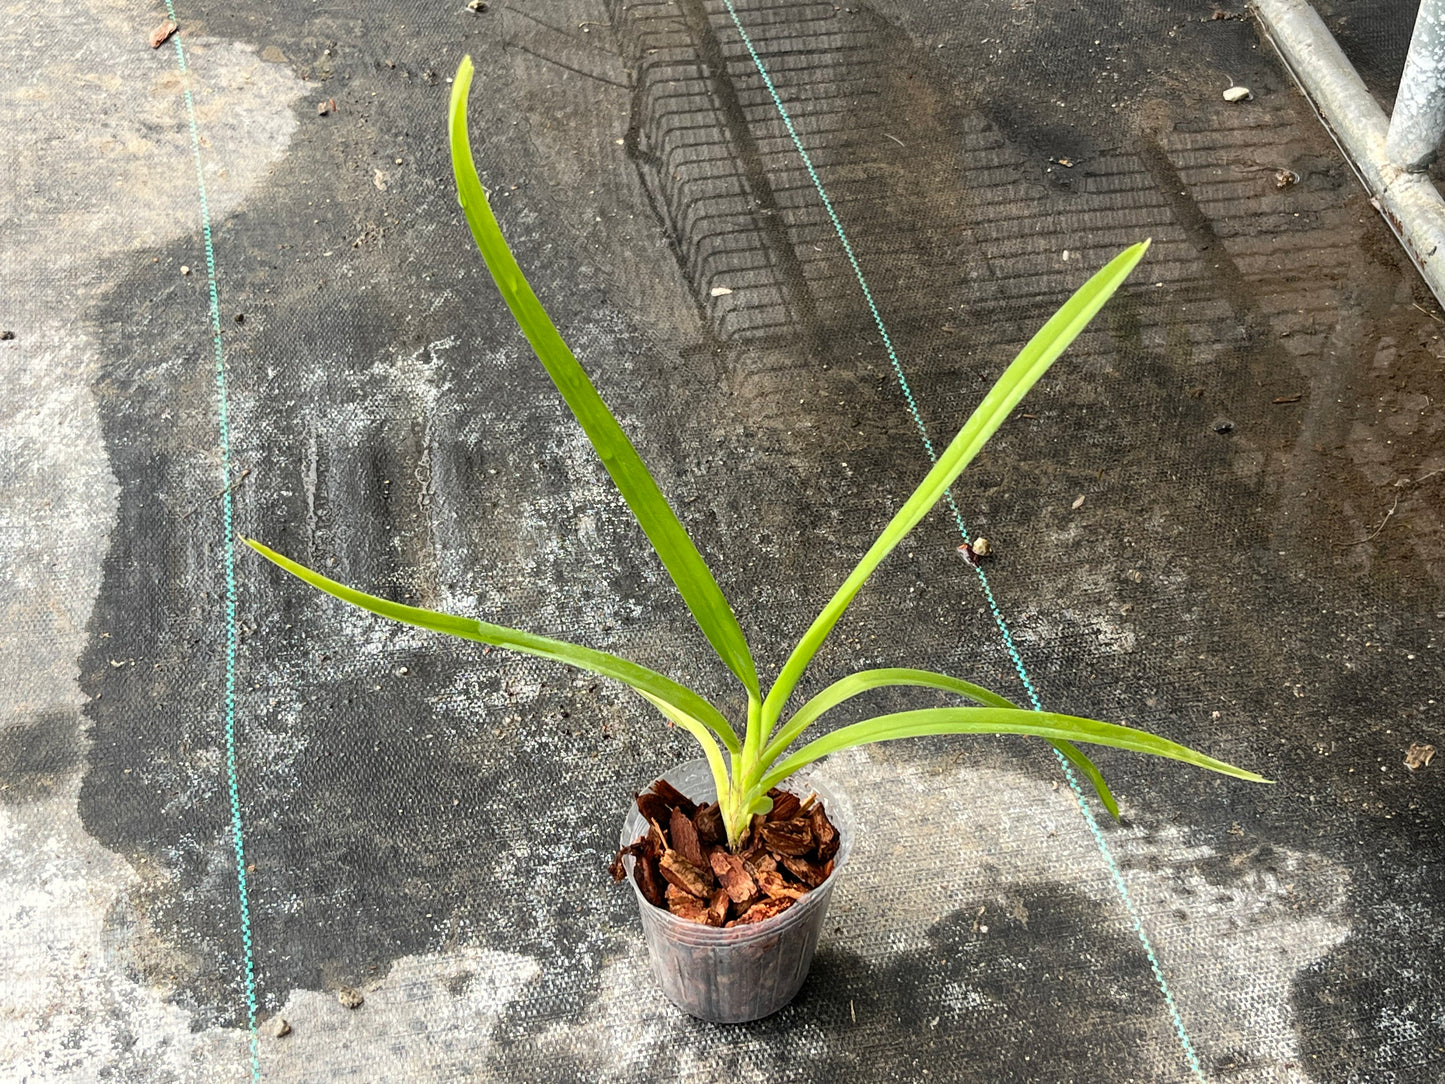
(682, 873)
(673, 797)
(684, 839)
(759, 861)
(681, 865)
(824, 832)
(809, 873)
(653, 807)
(162, 34)
(788, 837)
(785, 805)
(774, 887)
(684, 905)
(717, 908)
(650, 881)
(761, 911)
(709, 824)
(734, 876)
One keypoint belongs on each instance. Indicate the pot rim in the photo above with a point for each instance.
(800, 783)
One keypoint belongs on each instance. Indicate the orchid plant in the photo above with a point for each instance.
(746, 766)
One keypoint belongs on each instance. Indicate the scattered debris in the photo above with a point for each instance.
(978, 926)
(1238, 94)
(378, 178)
(1284, 178)
(1067, 163)
(1419, 756)
(240, 318)
(1375, 533)
(1279, 400)
(896, 140)
(1078, 502)
(162, 34)
(1434, 316)
(719, 291)
(349, 997)
(245, 473)
(972, 551)
(1222, 425)
(7, 335)
(327, 105)
(280, 1027)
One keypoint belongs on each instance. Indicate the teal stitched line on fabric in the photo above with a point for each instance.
(228, 547)
(1014, 653)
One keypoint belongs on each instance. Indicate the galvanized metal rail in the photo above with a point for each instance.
(1389, 155)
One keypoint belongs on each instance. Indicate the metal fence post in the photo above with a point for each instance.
(1418, 122)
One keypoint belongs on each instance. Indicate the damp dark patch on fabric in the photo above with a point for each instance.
(37, 755)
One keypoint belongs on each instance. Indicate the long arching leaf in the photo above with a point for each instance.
(861, 682)
(656, 517)
(1032, 362)
(648, 682)
(1042, 724)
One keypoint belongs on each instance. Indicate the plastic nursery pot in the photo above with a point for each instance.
(728, 976)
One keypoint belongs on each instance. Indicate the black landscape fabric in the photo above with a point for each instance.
(1219, 518)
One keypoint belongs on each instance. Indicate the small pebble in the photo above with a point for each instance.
(1237, 94)
(476, 5)
(1078, 502)
(281, 1027)
(185, 270)
(982, 547)
(6, 335)
(720, 291)
(1222, 425)
(349, 998)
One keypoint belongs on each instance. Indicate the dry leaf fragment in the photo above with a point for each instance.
(1078, 502)
(1419, 756)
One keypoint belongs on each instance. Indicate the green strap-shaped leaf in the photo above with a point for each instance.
(865, 680)
(1032, 362)
(699, 731)
(679, 556)
(1091, 772)
(649, 683)
(1041, 724)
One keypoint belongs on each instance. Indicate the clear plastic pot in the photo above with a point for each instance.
(728, 976)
